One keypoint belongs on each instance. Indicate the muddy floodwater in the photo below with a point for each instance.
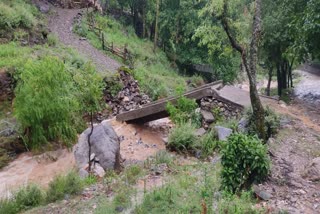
(137, 144)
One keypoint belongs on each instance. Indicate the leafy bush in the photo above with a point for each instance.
(62, 185)
(45, 103)
(182, 138)
(29, 197)
(272, 122)
(184, 111)
(244, 161)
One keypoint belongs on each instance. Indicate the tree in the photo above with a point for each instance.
(249, 57)
(156, 28)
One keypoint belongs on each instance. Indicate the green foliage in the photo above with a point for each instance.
(12, 55)
(52, 40)
(182, 138)
(197, 81)
(113, 84)
(25, 198)
(45, 104)
(163, 157)
(28, 197)
(244, 161)
(132, 174)
(15, 14)
(8, 206)
(238, 204)
(183, 111)
(4, 157)
(70, 184)
(272, 122)
(153, 70)
(207, 144)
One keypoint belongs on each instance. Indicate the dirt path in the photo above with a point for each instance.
(61, 23)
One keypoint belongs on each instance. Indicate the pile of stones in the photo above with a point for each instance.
(129, 97)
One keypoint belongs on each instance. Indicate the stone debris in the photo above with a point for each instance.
(128, 98)
(226, 110)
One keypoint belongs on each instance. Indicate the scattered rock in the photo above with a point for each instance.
(200, 132)
(312, 172)
(261, 193)
(129, 96)
(98, 170)
(243, 124)
(44, 8)
(105, 146)
(223, 133)
(207, 116)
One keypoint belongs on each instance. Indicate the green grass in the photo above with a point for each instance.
(153, 70)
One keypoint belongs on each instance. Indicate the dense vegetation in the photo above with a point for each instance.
(189, 34)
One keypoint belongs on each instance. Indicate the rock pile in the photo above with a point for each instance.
(123, 93)
(209, 105)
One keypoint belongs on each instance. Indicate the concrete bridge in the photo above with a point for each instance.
(157, 110)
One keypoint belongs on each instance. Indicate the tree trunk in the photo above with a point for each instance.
(89, 140)
(270, 74)
(156, 27)
(279, 79)
(250, 66)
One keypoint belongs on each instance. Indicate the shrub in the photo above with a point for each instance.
(62, 185)
(45, 103)
(272, 122)
(14, 14)
(182, 138)
(162, 157)
(52, 40)
(207, 144)
(184, 111)
(8, 206)
(132, 174)
(244, 161)
(29, 197)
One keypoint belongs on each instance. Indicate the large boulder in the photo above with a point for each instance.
(105, 146)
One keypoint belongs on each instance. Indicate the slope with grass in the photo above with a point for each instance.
(156, 75)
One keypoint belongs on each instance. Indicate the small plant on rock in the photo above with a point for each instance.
(244, 161)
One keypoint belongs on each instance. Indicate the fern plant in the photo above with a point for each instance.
(45, 104)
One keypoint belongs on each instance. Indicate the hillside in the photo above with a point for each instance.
(246, 144)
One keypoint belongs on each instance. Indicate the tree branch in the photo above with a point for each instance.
(226, 28)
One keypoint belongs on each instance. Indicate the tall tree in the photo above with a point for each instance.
(249, 59)
(156, 27)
